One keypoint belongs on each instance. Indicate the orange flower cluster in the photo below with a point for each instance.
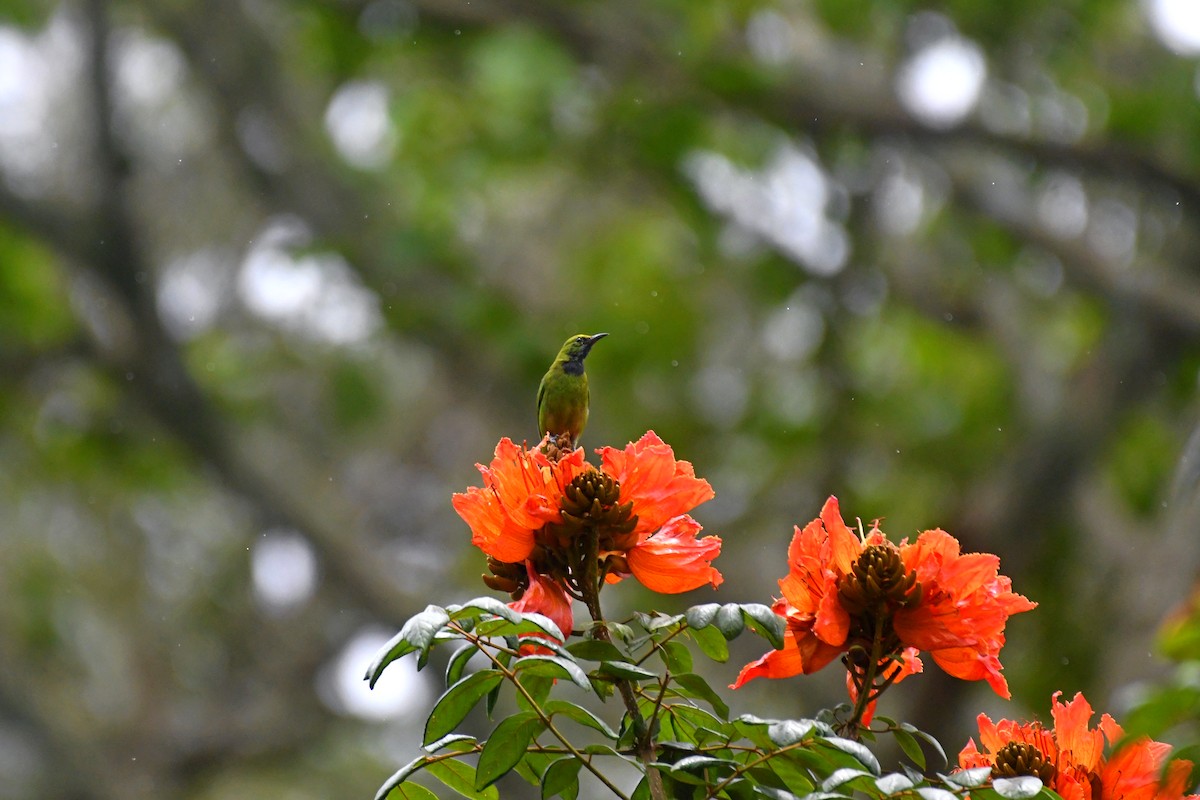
(1069, 758)
(876, 604)
(549, 521)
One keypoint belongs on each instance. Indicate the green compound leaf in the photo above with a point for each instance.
(457, 702)
(561, 779)
(417, 635)
(460, 777)
(506, 746)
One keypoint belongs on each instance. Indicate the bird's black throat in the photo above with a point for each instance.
(573, 366)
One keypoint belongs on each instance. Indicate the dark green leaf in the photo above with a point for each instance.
(695, 686)
(537, 687)
(400, 776)
(702, 616)
(623, 669)
(480, 606)
(676, 656)
(893, 783)
(711, 643)
(703, 762)
(557, 708)
(457, 702)
(774, 794)
(729, 620)
(856, 749)
(408, 791)
(561, 779)
(552, 667)
(789, 731)
(793, 774)
(506, 746)
(908, 743)
(596, 650)
(533, 766)
(841, 776)
(460, 777)
(458, 663)
(932, 742)
(766, 623)
(416, 635)
(970, 778)
(700, 719)
(527, 624)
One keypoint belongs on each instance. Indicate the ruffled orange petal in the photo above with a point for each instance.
(492, 530)
(1072, 729)
(968, 664)
(673, 560)
(774, 664)
(659, 486)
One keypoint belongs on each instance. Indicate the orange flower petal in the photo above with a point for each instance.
(673, 560)
(492, 530)
(545, 597)
(660, 487)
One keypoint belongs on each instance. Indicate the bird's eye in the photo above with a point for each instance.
(580, 340)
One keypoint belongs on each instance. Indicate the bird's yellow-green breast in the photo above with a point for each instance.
(563, 393)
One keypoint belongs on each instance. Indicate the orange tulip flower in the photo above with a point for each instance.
(1069, 758)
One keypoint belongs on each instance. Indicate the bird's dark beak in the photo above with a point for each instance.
(592, 341)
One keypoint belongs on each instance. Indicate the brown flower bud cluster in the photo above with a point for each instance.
(877, 585)
(1020, 758)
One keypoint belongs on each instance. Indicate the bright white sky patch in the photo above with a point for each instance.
(189, 293)
(284, 568)
(941, 83)
(357, 120)
(784, 203)
(33, 73)
(1177, 24)
(315, 294)
(400, 691)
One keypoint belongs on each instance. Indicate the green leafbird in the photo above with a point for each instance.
(563, 393)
